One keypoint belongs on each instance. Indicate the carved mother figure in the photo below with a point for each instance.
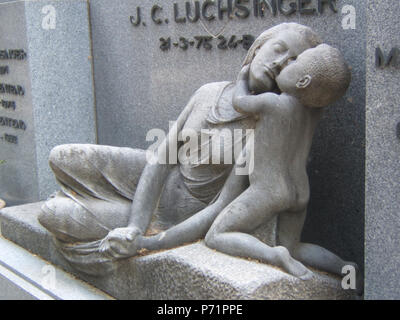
(112, 201)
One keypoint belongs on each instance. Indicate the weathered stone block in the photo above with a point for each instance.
(188, 272)
(46, 91)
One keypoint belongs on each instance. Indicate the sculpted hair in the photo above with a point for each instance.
(330, 76)
(307, 33)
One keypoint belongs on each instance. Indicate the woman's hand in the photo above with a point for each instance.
(121, 243)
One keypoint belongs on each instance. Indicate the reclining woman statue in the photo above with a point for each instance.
(112, 201)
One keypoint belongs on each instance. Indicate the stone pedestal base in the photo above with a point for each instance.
(189, 272)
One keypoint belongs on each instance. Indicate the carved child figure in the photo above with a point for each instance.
(279, 183)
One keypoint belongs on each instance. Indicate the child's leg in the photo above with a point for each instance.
(229, 232)
(290, 228)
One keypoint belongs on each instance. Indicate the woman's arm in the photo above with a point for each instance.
(147, 194)
(121, 242)
(196, 227)
(126, 242)
(153, 177)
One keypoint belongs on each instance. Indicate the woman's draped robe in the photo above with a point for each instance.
(101, 182)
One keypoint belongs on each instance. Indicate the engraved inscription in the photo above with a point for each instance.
(13, 54)
(12, 123)
(398, 131)
(9, 138)
(16, 90)
(10, 89)
(382, 61)
(8, 104)
(208, 10)
(206, 42)
(4, 70)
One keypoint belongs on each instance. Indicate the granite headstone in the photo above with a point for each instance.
(146, 69)
(46, 91)
(382, 214)
(151, 56)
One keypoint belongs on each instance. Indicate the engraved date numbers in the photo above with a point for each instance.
(207, 42)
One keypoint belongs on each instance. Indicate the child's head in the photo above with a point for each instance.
(318, 77)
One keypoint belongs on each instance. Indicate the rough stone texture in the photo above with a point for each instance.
(58, 105)
(382, 225)
(18, 175)
(188, 272)
(140, 87)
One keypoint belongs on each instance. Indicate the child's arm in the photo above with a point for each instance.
(246, 103)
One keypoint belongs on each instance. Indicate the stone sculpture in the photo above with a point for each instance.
(114, 204)
(279, 182)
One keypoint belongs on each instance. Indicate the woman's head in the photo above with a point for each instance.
(273, 49)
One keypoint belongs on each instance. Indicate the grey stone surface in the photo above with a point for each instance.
(25, 276)
(382, 219)
(58, 104)
(19, 174)
(140, 87)
(188, 272)
(100, 211)
(14, 288)
(271, 154)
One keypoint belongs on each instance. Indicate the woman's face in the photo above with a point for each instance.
(272, 57)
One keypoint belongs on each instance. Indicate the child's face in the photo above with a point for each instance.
(294, 76)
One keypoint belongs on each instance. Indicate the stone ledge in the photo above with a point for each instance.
(189, 272)
(24, 276)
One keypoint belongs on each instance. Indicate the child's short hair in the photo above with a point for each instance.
(330, 76)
